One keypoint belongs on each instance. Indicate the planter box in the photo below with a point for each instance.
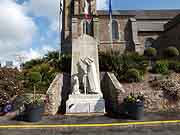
(134, 110)
(33, 112)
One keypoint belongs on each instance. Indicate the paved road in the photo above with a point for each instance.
(163, 129)
(61, 119)
(154, 130)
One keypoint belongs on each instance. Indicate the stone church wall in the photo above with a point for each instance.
(144, 36)
(124, 41)
(171, 36)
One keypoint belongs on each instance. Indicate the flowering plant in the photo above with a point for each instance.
(7, 108)
(132, 98)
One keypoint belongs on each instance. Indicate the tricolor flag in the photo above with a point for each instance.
(110, 8)
(86, 10)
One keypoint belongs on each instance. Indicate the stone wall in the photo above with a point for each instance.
(111, 89)
(144, 36)
(124, 29)
(155, 100)
(171, 36)
(57, 94)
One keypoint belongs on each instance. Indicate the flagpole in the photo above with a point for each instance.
(111, 41)
(110, 24)
(59, 28)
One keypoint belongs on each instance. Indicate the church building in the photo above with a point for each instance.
(128, 30)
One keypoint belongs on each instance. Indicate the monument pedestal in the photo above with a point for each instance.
(85, 104)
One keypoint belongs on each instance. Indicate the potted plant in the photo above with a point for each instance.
(34, 106)
(134, 106)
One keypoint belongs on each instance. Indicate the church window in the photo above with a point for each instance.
(149, 42)
(88, 28)
(115, 30)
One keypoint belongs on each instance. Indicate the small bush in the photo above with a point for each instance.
(65, 63)
(105, 61)
(132, 75)
(174, 65)
(177, 68)
(119, 64)
(134, 60)
(161, 67)
(171, 52)
(35, 77)
(150, 52)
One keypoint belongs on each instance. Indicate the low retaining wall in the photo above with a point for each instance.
(155, 100)
(111, 89)
(54, 95)
(57, 94)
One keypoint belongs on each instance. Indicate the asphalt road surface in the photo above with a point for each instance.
(141, 130)
(162, 129)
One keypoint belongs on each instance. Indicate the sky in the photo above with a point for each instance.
(141, 4)
(30, 27)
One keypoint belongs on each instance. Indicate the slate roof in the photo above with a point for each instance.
(145, 14)
(173, 22)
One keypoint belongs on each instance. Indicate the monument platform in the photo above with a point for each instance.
(91, 103)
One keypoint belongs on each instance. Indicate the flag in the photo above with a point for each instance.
(110, 8)
(61, 7)
(86, 7)
(86, 10)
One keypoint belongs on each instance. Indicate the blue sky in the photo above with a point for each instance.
(146, 4)
(30, 27)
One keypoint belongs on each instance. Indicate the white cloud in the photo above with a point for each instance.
(16, 29)
(45, 8)
(102, 4)
(36, 53)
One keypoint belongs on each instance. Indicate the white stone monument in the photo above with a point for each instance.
(86, 95)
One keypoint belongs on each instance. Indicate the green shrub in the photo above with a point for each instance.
(35, 77)
(150, 52)
(104, 59)
(134, 60)
(161, 67)
(65, 63)
(119, 64)
(171, 52)
(174, 65)
(132, 75)
(177, 68)
(32, 63)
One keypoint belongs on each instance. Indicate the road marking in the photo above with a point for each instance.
(78, 114)
(85, 114)
(91, 125)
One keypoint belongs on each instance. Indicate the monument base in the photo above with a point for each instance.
(85, 104)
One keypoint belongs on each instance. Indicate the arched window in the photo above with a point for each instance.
(115, 30)
(149, 42)
(88, 28)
